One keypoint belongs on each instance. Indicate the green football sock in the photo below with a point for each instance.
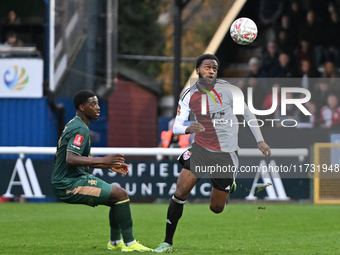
(114, 227)
(122, 213)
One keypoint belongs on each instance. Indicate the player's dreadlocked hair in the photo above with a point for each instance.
(81, 97)
(206, 56)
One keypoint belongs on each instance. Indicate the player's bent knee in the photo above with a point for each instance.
(217, 208)
(119, 193)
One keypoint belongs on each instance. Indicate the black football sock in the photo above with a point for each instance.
(122, 213)
(175, 211)
(115, 233)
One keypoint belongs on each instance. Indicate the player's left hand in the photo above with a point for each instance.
(264, 148)
(121, 168)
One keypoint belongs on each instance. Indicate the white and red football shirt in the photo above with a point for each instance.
(219, 134)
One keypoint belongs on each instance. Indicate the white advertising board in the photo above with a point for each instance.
(21, 78)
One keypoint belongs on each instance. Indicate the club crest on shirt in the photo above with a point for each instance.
(216, 97)
(186, 155)
(78, 140)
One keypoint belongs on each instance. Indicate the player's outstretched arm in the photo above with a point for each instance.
(264, 148)
(114, 162)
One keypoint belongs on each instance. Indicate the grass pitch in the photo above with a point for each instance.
(59, 228)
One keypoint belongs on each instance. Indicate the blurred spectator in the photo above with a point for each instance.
(269, 12)
(330, 114)
(258, 93)
(292, 112)
(332, 40)
(306, 72)
(255, 68)
(268, 100)
(321, 9)
(320, 93)
(170, 140)
(304, 52)
(332, 75)
(270, 60)
(12, 18)
(256, 72)
(330, 70)
(296, 13)
(308, 121)
(285, 24)
(290, 33)
(311, 32)
(285, 69)
(13, 40)
(284, 42)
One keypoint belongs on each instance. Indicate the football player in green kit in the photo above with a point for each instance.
(73, 184)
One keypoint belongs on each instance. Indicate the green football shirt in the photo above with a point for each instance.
(75, 138)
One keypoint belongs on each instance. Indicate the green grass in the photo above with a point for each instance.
(27, 228)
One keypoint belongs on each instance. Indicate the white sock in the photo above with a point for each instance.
(129, 243)
(115, 243)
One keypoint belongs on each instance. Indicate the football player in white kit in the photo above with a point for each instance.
(215, 143)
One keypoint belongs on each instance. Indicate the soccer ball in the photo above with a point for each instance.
(243, 31)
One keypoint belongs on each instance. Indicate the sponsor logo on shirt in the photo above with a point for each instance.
(92, 182)
(76, 147)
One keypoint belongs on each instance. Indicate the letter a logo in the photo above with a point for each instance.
(275, 191)
(26, 180)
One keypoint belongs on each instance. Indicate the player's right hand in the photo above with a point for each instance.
(121, 168)
(264, 148)
(196, 127)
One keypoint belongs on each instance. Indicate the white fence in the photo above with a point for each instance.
(301, 153)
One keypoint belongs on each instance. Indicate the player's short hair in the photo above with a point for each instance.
(81, 97)
(206, 56)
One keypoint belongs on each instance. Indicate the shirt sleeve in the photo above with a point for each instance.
(178, 128)
(183, 109)
(183, 112)
(248, 115)
(78, 139)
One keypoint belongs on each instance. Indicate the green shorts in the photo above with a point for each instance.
(87, 189)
